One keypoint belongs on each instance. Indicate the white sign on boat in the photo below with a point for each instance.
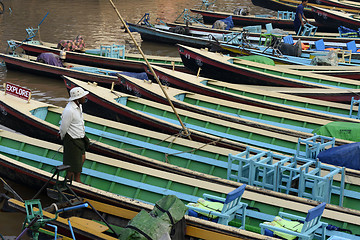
(17, 91)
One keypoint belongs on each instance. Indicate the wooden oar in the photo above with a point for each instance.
(187, 133)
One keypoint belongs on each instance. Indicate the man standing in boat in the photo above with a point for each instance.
(300, 17)
(72, 132)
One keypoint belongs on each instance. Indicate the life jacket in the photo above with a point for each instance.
(208, 205)
(289, 225)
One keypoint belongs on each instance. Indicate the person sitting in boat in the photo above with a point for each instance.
(50, 58)
(300, 17)
(72, 132)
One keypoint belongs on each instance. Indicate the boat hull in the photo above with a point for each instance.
(218, 70)
(159, 35)
(99, 107)
(93, 60)
(18, 63)
(325, 16)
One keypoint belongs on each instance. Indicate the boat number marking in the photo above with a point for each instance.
(3, 110)
(199, 62)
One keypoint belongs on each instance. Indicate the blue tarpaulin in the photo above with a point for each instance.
(141, 76)
(347, 155)
(229, 22)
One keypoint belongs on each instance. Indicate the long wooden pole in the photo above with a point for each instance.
(152, 70)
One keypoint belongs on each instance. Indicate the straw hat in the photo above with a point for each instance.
(76, 93)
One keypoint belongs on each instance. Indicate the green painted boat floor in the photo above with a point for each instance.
(174, 159)
(300, 77)
(94, 174)
(304, 105)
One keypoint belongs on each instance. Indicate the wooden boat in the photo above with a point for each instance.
(337, 18)
(151, 33)
(135, 145)
(43, 120)
(210, 17)
(291, 5)
(230, 69)
(28, 63)
(341, 4)
(130, 62)
(342, 95)
(235, 129)
(140, 146)
(305, 58)
(120, 140)
(339, 71)
(251, 94)
(229, 110)
(253, 37)
(28, 166)
(34, 168)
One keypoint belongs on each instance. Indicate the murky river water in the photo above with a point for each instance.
(98, 23)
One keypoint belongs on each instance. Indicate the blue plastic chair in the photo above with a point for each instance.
(311, 224)
(288, 39)
(320, 45)
(269, 27)
(232, 206)
(352, 46)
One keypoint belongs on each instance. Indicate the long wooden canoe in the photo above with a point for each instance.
(85, 224)
(254, 36)
(152, 33)
(30, 161)
(108, 178)
(341, 3)
(136, 145)
(290, 5)
(229, 69)
(229, 110)
(337, 18)
(210, 17)
(241, 131)
(258, 95)
(339, 71)
(29, 64)
(131, 62)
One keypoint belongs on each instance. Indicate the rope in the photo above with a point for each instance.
(192, 150)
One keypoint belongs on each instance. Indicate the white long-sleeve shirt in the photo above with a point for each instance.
(72, 121)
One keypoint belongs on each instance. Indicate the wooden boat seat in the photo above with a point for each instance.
(354, 102)
(308, 30)
(231, 207)
(311, 224)
(314, 145)
(288, 39)
(254, 29)
(86, 223)
(286, 15)
(256, 168)
(113, 51)
(344, 55)
(269, 28)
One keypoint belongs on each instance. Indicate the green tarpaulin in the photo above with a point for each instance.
(157, 222)
(342, 130)
(259, 59)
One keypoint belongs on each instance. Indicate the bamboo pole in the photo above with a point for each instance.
(152, 70)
